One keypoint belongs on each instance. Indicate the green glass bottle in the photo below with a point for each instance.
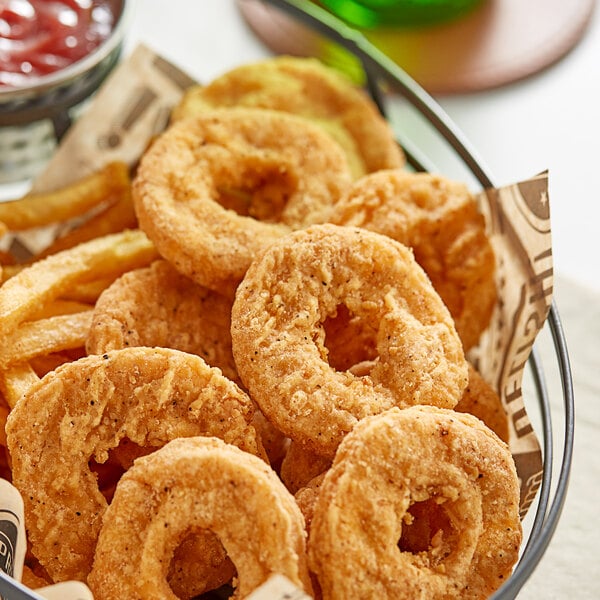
(369, 14)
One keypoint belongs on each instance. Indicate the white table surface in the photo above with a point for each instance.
(548, 121)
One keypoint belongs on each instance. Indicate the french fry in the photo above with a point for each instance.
(36, 210)
(46, 336)
(45, 280)
(16, 381)
(88, 291)
(61, 307)
(114, 218)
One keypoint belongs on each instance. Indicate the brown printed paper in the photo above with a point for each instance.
(518, 219)
(134, 105)
(12, 531)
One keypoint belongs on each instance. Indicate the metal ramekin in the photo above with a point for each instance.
(33, 118)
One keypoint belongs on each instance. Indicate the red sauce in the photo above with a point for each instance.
(38, 37)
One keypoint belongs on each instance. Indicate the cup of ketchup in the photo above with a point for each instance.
(54, 54)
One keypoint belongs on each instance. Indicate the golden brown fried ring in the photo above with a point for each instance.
(481, 400)
(278, 334)
(439, 219)
(307, 88)
(446, 462)
(214, 190)
(197, 484)
(156, 306)
(82, 410)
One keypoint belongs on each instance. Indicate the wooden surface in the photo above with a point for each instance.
(498, 42)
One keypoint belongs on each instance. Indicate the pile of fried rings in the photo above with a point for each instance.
(283, 387)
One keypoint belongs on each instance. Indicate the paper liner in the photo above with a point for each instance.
(134, 105)
(66, 590)
(518, 221)
(12, 531)
(278, 587)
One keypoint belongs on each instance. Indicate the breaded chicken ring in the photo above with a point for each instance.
(82, 410)
(214, 190)
(307, 88)
(197, 484)
(394, 467)
(279, 345)
(155, 306)
(440, 220)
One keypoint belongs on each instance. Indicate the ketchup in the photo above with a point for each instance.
(38, 37)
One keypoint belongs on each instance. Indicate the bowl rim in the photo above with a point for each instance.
(38, 85)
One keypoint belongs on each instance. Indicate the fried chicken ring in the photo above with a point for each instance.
(307, 88)
(440, 220)
(197, 484)
(402, 467)
(214, 190)
(279, 346)
(82, 410)
(155, 306)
